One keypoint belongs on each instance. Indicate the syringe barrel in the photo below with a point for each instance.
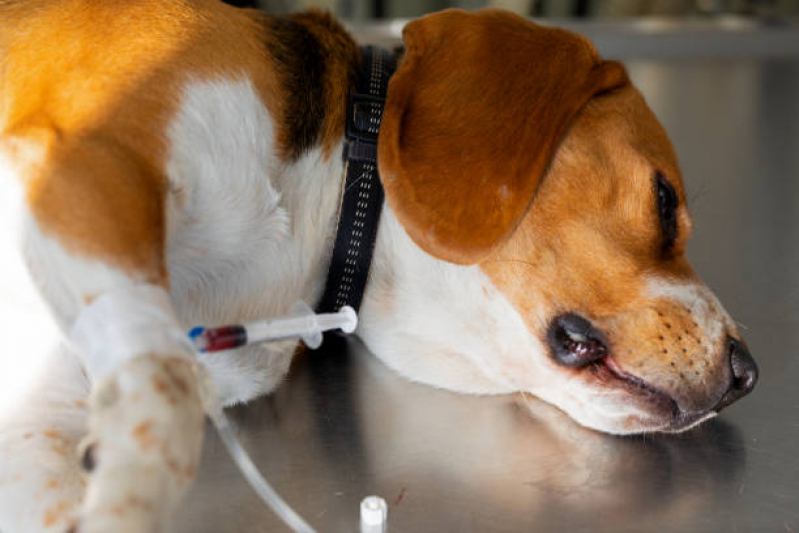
(221, 338)
(301, 326)
(329, 321)
(281, 328)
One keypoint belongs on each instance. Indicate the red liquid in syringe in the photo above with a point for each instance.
(218, 339)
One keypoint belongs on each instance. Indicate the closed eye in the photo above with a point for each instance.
(667, 203)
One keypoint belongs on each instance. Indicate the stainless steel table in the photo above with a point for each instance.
(344, 426)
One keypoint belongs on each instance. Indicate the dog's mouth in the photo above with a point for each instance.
(577, 344)
(665, 410)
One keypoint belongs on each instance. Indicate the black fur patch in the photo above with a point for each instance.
(299, 60)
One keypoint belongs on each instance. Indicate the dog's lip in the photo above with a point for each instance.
(678, 420)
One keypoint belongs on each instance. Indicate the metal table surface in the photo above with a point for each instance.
(343, 426)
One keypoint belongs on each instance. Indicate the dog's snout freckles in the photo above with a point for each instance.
(680, 344)
(665, 346)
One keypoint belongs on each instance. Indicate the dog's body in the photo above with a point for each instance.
(194, 148)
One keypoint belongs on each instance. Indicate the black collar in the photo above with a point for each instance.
(362, 198)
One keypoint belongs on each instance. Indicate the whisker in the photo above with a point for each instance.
(699, 191)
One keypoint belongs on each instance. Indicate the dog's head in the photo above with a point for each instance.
(517, 153)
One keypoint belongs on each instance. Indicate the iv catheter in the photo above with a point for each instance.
(302, 323)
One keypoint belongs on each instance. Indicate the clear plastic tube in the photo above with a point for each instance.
(303, 323)
(260, 485)
(255, 479)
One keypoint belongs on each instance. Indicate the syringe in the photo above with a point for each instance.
(303, 323)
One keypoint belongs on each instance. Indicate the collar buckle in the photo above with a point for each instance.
(363, 127)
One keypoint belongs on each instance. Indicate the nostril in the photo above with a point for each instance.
(575, 342)
(744, 368)
(744, 373)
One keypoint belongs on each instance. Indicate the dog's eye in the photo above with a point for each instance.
(667, 210)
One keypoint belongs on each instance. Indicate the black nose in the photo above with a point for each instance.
(744, 373)
(575, 341)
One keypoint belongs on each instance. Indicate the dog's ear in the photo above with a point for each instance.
(473, 116)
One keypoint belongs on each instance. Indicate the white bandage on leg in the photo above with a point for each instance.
(125, 323)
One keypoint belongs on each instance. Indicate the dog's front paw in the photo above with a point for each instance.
(143, 447)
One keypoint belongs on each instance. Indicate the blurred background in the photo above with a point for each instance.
(605, 9)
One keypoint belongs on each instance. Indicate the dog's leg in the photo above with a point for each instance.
(94, 241)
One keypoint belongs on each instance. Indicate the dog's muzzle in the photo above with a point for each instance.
(576, 343)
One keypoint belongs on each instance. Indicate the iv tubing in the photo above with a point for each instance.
(254, 477)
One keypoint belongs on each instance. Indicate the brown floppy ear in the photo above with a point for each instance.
(473, 116)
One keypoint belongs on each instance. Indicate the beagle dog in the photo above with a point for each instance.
(179, 163)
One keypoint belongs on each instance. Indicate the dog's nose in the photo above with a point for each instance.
(575, 342)
(744, 373)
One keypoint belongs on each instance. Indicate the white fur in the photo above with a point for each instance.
(237, 249)
(66, 279)
(443, 324)
(248, 236)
